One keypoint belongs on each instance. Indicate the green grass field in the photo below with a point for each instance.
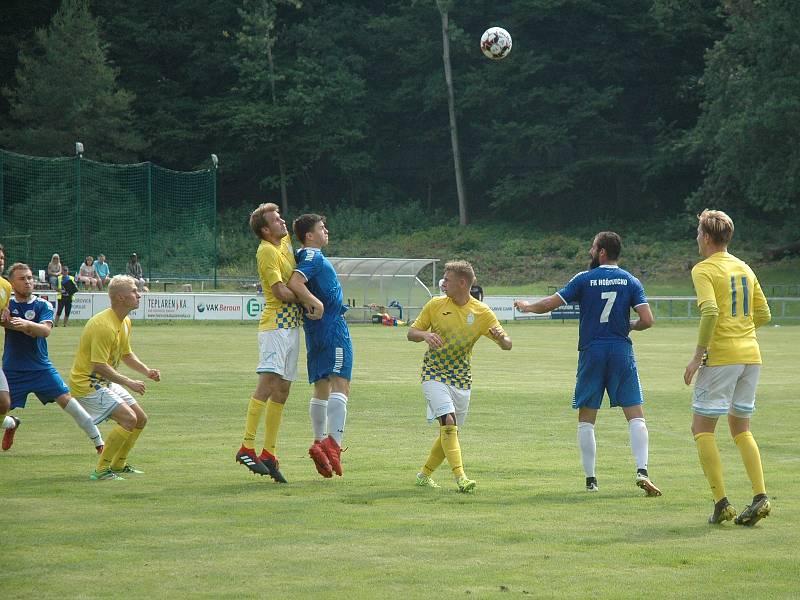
(199, 525)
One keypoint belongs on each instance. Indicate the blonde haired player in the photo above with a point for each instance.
(8, 423)
(278, 341)
(100, 388)
(732, 306)
(450, 325)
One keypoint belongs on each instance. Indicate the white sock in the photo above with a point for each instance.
(337, 415)
(639, 441)
(588, 447)
(84, 421)
(9, 423)
(317, 410)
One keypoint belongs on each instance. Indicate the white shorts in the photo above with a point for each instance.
(726, 389)
(104, 401)
(278, 351)
(3, 382)
(444, 399)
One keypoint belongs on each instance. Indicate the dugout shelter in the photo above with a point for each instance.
(382, 281)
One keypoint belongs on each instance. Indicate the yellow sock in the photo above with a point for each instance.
(711, 462)
(451, 448)
(121, 459)
(254, 411)
(436, 457)
(114, 442)
(751, 458)
(274, 417)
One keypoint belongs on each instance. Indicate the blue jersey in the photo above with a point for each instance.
(321, 281)
(606, 295)
(23, 352)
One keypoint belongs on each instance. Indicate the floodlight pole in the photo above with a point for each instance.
(78, 156)
(215, 163)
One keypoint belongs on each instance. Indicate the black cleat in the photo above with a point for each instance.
(751, 515)
(723, 511)
(272, 465)
(591, 484)
(248, 458)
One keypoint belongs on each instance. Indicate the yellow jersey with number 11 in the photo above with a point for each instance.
(731, 285)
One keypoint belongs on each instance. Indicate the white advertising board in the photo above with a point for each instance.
(252, 307)
(503, 308)
(167, 306)
(213, 307)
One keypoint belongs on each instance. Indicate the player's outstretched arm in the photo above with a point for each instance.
(313, 306)
(540, 306)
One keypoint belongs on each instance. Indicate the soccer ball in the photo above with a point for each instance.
(496, 43)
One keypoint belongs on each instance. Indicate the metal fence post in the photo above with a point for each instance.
(149, 222)
(79, 233)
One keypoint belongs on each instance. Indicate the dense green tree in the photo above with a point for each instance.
(177, 58)
(66, 91)
(299, 100)
(749, 130)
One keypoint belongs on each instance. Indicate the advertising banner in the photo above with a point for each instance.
(503, 307)
(168, 306)
(213, 307)
(252, 307)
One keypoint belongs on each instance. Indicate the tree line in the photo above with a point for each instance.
(622, 108)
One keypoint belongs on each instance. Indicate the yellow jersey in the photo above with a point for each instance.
(275, 264)
(5, 293)
(731, 285)
(459, 327)
(105, 339)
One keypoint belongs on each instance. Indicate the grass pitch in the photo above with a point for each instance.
(198, 525)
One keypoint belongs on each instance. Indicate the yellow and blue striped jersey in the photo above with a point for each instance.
(105, 340)
(731, 285)
(275, 264)
(5, 293)
(459, 327)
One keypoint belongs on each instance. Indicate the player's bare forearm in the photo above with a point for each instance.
(500, 337)
(429, 337)
(29, 328)
(312, 304)
(283, 293)
(133, 362)
(540, 306)
(109, 373)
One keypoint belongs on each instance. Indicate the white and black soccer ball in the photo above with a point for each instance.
(496, 43)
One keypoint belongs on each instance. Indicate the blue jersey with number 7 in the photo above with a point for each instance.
(606, 295)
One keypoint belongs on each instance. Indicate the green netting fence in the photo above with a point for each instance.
(77, 207)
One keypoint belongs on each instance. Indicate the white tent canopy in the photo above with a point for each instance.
(383, 281)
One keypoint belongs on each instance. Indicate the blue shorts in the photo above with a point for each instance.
(607, 368)
(46, 384)
(330, 353)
